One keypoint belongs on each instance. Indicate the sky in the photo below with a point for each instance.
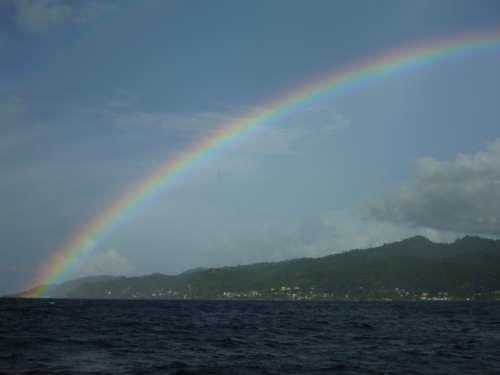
(95, 95)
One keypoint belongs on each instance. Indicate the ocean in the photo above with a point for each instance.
(248, 337)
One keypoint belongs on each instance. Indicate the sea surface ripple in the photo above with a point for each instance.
(248, 337)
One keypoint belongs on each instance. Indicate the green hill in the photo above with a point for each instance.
(415, 268)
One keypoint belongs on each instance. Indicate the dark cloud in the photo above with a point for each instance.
(459, 195)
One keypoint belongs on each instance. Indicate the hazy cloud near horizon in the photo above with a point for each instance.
(107, 262)
(461, 195)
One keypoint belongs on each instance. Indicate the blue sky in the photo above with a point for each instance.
(95, 94)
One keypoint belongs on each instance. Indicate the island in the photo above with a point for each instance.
(412, 269)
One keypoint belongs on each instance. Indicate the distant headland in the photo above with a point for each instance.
(412, 269)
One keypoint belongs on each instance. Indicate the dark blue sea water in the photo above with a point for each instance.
(218, 337)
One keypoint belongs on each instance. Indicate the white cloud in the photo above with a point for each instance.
(460, 195)
(37, 16)
(351, 229)
(284, 136)
(107, 262)
(197, 122)
(341, 230)
(289, 135)
(333, 232)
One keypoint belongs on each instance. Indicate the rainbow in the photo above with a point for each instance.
(395, 62)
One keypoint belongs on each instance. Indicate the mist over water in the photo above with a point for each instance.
(228, 337)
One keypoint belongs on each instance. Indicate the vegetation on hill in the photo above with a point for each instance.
(415, 268)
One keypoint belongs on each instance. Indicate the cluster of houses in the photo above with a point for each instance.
(294, 293)
(283, 292)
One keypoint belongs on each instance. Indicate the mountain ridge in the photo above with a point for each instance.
(412, 268)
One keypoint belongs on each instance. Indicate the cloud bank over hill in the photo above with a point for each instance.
(459, 195)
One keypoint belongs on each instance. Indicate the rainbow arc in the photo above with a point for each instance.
(385, 65)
